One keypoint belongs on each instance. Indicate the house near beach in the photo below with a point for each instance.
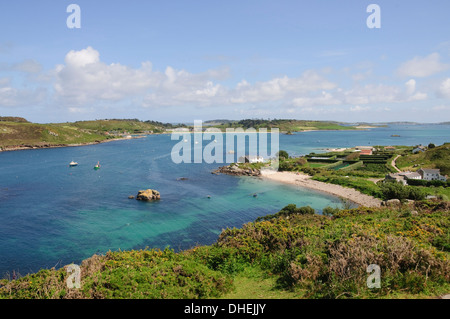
(419, 149)
(429, 174)
(251, 159)
(426, 174)
(360, 148)
(365, 152)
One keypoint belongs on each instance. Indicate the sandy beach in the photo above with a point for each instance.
(303, 180)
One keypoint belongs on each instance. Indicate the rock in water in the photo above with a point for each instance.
(148, 195)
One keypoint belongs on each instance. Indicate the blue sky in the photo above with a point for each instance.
(177, 61)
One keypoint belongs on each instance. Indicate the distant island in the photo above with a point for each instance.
(18, 133)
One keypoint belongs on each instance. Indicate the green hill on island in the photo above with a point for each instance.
(19, 133)
(284, 125)
(16, 132)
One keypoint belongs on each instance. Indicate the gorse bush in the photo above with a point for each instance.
(328, 258)
(290, 209)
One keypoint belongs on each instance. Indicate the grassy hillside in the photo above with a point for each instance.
(436, 157)
(18, 132)
(14, 134)
(283, 125)
(292, 254)
(131, 126)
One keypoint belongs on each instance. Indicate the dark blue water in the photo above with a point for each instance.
(52, 215)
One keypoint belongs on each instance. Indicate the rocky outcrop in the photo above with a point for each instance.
(234, 169)
(148, 195)
(392, 203)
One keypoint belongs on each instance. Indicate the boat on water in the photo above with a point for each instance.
(72, 164)
(97, 166)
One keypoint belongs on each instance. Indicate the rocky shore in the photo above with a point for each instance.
(235, 170)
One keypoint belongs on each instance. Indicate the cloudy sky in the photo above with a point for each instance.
(180, 61)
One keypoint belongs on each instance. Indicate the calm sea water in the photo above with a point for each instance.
(52, 215)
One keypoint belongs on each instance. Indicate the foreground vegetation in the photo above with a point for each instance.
(295, 253)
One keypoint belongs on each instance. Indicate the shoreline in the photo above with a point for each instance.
(47, 146)
(303, 180)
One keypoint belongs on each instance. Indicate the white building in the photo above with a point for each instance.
(411, 175)
(429, 174)
(251, 159)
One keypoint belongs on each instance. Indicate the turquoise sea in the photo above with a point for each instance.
(52, 215)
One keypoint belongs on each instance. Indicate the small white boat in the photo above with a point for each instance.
(71, 164)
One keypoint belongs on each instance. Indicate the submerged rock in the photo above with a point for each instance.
(148, 195)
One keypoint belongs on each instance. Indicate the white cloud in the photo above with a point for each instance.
(371, 93)
(422, 66)
(84, 84)
(411, 93)
(11, 96)
(441, 108)
(28, 66)
(325, 98)
(410, 86)
(279, 88)
(84, 79)
(83, 57)
(358, 108)
(444, 89)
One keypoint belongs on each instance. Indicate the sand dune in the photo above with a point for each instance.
(303, 180)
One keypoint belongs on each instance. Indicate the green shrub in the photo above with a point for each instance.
(393, 190)
(282, 154)
(288, 210)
